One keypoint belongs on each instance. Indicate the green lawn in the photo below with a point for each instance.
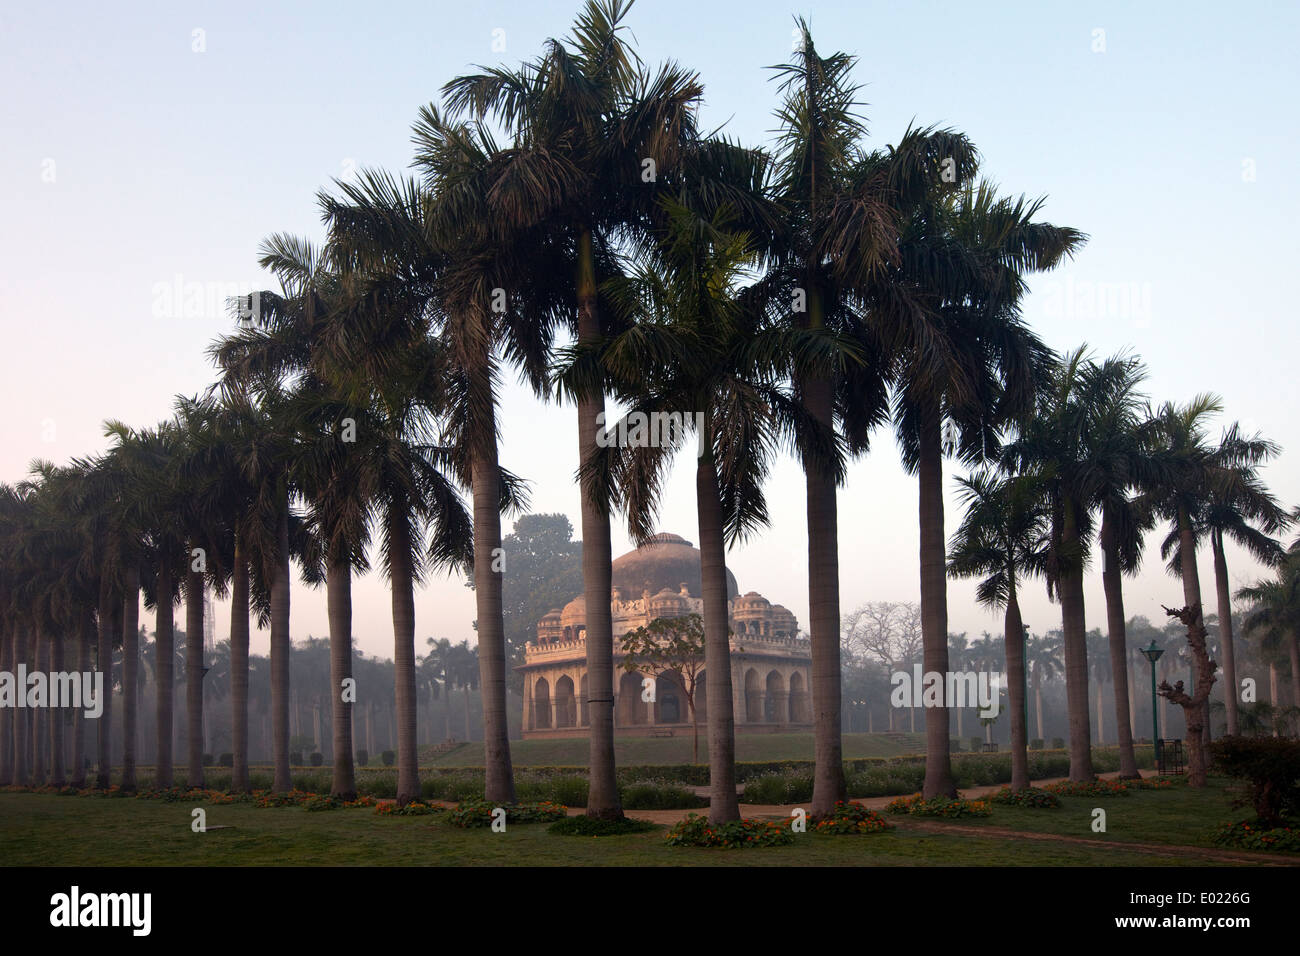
(575, 752)
(89, 831)
(1150, 816)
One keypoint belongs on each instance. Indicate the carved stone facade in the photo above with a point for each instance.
(770, 663)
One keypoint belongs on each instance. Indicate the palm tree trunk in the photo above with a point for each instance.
(1038, 703)
(1073, 626)
(485, 479)
(280, 650)
(1192, 598)
(934, 602)
(1113, 584)
(104, 663)
(164, 679)
(19, 656)
(7, 713)
(370, 729)
(1230, 688)
(338, 585)
(723, 802)
(402, 577)
(130, 675)
(58, 775)
(194, 675)
(1293, 650)
(41, 715)
(239, 634)
(602, 799)
(1014, 637)
(469, 724)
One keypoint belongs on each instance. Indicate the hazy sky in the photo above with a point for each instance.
(150, 147)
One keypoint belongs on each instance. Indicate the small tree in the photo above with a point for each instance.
(670, 645)
(1193, 704)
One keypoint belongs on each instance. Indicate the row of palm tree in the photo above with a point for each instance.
(1096, 458)
(569, 217)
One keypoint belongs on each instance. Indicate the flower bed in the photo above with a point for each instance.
(1032, 798)
(939, 807)
(416, 808)
(849, 817)
(734, 834)
(1250, 836)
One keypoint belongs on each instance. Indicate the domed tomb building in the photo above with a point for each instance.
(770, 663)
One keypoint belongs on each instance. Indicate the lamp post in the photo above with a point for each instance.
(1152, 654)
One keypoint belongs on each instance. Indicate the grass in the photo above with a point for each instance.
(1179, 816)
(45, 830)
(576, 751)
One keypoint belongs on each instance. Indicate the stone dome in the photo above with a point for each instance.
(665, 562)
(575, 612)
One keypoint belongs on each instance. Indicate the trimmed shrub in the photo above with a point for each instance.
(939, 807)
(773, 788)
(478, 813)
(1058, 743)
(593, 827)
(317, 759)
(209, 760)
(226, 760)
(295, 758)
(362, 758)
(1036, 743)
(1033, 798)
(658, 795)
(388, 757)
(976, 744)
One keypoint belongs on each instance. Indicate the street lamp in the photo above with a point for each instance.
(1152, 653)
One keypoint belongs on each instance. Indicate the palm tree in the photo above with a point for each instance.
(1275, 615)
(1121, 446)
(1059, 442)
(1184, 499)
(440, 254)
(583, 118)
(1240, 507)
(695, 343)
(965, 363)
(838, 228)
(1043, 654)
(1003, 538)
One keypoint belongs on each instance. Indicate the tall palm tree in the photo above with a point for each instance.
(1275, 613)
(1184, 498)
(696, 343)
(965, 362)
(1058, 442)
(1241, 508)
(435, 255)
(1122, 447)
(594, 138)
(840, 222)
(1003, 538)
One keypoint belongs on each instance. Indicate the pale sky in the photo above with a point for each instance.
(153, 146)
